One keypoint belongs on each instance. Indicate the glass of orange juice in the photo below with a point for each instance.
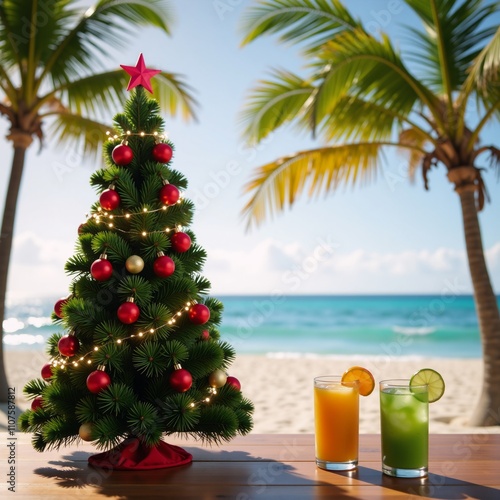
(336, 418)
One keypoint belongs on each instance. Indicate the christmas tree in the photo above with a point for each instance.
(142, 357)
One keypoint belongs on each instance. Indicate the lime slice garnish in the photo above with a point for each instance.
(432, 379)
(363, 376)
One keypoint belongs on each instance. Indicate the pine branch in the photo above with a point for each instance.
(245, 423)
(116, 399)
(34, 388)
(137, 287)
(175, 351)
(112, 356)
(179, 413)
(150, 189)
(150, 359)
(155, 316)
(229, 354)
(87, 410)
(112, 244)
(217, 424)
(108, 432)
(204, 358)
(109, 330)
(143, 421)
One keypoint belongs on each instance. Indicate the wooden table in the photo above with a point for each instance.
(278, 466)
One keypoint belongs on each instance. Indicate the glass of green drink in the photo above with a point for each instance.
(404, 419)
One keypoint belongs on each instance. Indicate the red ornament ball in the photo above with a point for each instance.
(59, 305)
(68, 345)
(101, 269)
(109, 199)
(47, 371)
(122, 154)
(180, 380)
(164, 266)
(128, 313)
(169, 194)
(181, 242)
(199, 314)
(234, 382)
(97, 381)
(162, 153)
(205, 335)
(37, 403)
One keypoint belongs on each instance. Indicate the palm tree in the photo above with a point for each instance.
(362, 98)
(51, 70)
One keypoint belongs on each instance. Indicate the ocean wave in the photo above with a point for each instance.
(413, 330)
(340, 357)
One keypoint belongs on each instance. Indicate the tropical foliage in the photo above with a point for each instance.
(362, 96)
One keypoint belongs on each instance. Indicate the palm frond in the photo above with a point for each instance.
(361, 120)
(29, 31)
(83, 134)
(450, 42)
(485, 70)
(416, 142)
(356, 63)
(311, 21)
(174, 95)
(274, 102)
(276, 185)
(91, 34)
(100, 95)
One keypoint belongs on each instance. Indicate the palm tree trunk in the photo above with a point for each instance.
(21, 142)
(487, 410)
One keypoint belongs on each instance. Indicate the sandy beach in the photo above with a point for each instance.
(281, 388)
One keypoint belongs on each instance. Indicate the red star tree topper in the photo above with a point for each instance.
(140, 75)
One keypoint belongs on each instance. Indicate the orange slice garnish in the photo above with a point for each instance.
(363, 376)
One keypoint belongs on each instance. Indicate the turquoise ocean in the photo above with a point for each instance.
(294, 326)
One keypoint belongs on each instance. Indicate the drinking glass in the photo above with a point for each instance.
(336, 419)
(404, 421)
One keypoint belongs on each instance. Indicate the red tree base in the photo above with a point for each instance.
(134, 455)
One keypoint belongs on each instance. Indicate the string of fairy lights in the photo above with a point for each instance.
(103, 214)
(114, 136)
(61, 362)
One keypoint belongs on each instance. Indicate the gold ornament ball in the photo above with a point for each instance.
(85, 431)
(217, 378)
(134, 264)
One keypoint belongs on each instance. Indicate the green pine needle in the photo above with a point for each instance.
(87, 410)
(34, 388)
(112, 355)
(245, 423)
(229, 354)
(116, 399)
(217, 424)
(179, 414)
(175, 351)
(143, 419)
(150, 359)
(204, 358)
(137, 287)
(108, 432)
(112, 244)
(109, 331)
(38, 442)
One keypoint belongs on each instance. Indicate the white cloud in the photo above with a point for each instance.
(270, 266)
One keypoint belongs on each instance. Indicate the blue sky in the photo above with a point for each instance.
(388, 237)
